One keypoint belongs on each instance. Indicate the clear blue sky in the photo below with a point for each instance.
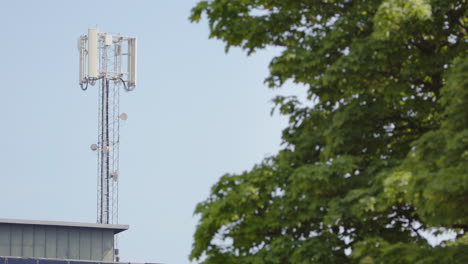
(196, 114)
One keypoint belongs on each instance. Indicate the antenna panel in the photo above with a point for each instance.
(108, 40)
(93, 53)
(82, 50)
(132, 62)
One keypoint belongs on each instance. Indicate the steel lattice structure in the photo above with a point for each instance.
(102, 62)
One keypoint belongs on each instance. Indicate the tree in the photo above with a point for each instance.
(381, 158)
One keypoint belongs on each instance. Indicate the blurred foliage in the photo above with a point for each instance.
(377, 162)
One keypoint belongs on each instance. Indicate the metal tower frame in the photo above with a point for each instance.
(101, 61)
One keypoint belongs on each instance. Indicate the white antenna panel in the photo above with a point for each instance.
(82, 50)
(132, 62)
(108, 40)
(93, 53)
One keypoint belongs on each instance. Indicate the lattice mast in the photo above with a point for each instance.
(109, 61)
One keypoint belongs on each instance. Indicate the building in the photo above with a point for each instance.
(58, 240)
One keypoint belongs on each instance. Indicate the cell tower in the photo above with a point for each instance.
(102, 62)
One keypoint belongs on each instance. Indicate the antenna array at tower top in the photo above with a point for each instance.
(95, 62)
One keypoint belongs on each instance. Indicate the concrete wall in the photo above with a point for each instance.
(56, 242)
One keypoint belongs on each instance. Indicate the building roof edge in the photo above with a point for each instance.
(117, 228)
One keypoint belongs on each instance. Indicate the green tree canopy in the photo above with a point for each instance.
(377, 162)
